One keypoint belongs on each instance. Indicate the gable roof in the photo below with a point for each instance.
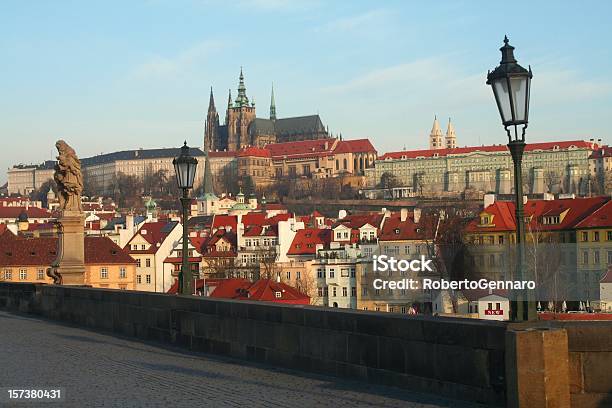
(306, 240)
(31, 212)
(394, 229)
(601, 217)
(154, 233)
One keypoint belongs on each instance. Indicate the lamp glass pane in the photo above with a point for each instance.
(184, 175)
(503, 98)
(192, 171)
(177, 171)
(518, 87)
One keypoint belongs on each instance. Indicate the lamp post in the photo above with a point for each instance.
(511, 87)
(185, 168)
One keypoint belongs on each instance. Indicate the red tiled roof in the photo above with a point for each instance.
(262, 290)
(253, 151)
(504, 220)
(153, 233)
(603, 151)
(21, 251)
(355, 146)
(306, 240)
(32, 212)
(360, 219)
(225, 221)
(413, 154)
(394, 229)
(253, 218)
(601, 217)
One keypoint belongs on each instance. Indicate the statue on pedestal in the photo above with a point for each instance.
(69, 266)
(68, 178)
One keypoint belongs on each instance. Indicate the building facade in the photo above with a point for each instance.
(24, 179)
(557, 167)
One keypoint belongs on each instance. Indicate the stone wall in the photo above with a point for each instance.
(458, 358)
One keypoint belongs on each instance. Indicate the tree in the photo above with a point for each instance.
(307, 284)
(553, 181)
(128, 191)
(388, 181)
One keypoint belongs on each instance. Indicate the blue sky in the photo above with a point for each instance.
(107, 76)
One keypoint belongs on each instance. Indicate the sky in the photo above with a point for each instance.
(114, 75)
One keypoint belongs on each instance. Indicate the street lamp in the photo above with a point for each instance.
(185, 168)
(511, 87)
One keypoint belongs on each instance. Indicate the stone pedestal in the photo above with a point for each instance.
(71, 251)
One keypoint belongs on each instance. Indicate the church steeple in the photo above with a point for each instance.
(229, 99)
(435, 137)
(272, 106)
(241, 99)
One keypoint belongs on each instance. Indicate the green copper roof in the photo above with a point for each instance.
(241, 99)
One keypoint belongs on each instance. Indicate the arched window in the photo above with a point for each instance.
(345, 164)
(337, 164)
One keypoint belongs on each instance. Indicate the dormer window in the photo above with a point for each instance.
(548, 220)
(278, 294)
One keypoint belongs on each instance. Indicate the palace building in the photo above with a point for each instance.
(242, 128)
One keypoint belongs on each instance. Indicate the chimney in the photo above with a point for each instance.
(488, 200)
(403, 214)
(417, 215)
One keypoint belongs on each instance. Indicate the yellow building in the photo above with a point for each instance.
(27, 260)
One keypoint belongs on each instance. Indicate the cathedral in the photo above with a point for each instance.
(242, 128)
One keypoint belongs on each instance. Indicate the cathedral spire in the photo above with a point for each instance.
(272, 105)
(241, 99)
(229, 99)
(211, 102)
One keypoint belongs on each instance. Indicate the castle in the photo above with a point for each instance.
(437, 141)
(242, 128)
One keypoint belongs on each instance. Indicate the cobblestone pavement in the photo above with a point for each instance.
(105, 370)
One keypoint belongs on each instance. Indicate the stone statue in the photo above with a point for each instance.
(68, 178)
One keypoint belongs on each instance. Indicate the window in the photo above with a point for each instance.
(490, 306)
(122, 273)
(596, 236)
(104, 273)
(148, 279)
(23, 274)
(331, 273)
(325, 291)
(320, 273)
(320, 292)
(288, 275)
(585, 236)
(585, 257)
(334, 291)
(344, 291)
(40, 274)
(138, 263)
(344, 272)
(354, 291)
(497, 306)
(609, 235)
(403, 309)
(298, 275)
(123, 287)
(378, 308)
(500, 239)
(138, 278)
(596, 259)
(278, 294)
(8, 274)
(148, 262)
(364, 290)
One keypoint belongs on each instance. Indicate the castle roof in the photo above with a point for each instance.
(530, 147)
(287, 127)
(138, 154)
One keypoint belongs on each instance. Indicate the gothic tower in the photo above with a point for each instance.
(435, 137)
(451, 137)
(272, 106)
(239, 117)
(211, 128)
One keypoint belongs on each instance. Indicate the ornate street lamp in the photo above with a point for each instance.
(185, 168)
(511, 87)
